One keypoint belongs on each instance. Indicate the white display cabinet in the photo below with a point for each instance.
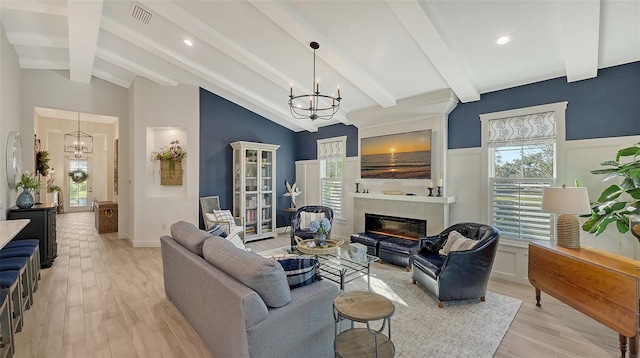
(254, 179)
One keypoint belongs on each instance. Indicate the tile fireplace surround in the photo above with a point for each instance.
(433, 209)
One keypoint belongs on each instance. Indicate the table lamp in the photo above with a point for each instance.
(567, 202)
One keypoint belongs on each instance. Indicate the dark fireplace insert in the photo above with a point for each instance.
(405, 228)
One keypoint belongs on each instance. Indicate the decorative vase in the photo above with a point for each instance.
(24, 200)
(320, 238)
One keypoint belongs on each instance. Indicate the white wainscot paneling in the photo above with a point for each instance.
(511, 262)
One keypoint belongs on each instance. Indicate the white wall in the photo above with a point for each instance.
(154, 210)
(579, 158)
(9, 115)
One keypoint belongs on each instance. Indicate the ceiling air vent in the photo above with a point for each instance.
(141, 14)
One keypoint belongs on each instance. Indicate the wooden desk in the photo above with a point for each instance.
(602, 285)
(10, 228)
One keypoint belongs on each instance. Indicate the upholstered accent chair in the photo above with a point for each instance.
(304, 215)
(213, 214)
(458, 275)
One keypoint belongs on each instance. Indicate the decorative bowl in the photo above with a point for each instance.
(393, 192)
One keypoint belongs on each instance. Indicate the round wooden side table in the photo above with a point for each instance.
(363, 307)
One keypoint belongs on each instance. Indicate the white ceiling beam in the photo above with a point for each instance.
(421, 28)
(37, 40)
(104, 75)
(84, 23)
(134, 67)
(580, 37)
(41, 7)
(210, 36)
(285, 17)
(277, 111)
(40, 64)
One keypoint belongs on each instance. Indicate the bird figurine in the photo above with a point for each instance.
(292, 191)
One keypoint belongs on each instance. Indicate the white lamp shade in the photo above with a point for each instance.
(566, 200)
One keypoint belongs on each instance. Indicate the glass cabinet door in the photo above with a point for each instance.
(251, 218)
(251, 170)
(266, 171)
(266, 210)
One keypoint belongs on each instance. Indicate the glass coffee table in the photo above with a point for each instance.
(338, 266)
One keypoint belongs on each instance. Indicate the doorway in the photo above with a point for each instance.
(97, 165)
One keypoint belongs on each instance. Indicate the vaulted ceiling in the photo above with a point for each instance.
(378, 52)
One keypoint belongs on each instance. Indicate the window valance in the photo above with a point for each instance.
(522, 130)
(331, 149)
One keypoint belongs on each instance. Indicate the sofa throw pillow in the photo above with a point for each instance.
(189, 236)
(300, 271)
(457, 242)
(306, 218)
(223, 215)
(265, 276)
(217, 230)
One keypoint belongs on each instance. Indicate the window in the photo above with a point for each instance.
(522, 162)
(331, 154)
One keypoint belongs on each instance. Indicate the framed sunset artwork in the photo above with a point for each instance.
(396, 156)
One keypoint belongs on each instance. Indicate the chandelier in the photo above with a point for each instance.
(320, 105)
(78, 142)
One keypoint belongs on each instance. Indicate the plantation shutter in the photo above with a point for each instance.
(522, 130)
(332, 153)
(517, 208)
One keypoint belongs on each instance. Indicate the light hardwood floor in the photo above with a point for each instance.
(103, 298)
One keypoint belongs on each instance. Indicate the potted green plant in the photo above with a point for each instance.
(28, 183)
(618, 203)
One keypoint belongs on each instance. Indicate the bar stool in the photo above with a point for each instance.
(6, 335)
(29, 253)
(35, 260)
(20, 264)
(9, 280)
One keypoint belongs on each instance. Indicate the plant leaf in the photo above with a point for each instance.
(603, 225)
(625, 152)
(591, 225)
(618, 206)
(604, 171)
(610, 193)
(622, 226)
(635, 193)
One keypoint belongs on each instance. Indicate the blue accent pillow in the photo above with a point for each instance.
(300, 271)
(217, 230)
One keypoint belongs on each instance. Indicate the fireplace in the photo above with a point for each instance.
(405, 228)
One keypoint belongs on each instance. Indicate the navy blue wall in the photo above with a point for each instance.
(605, 106)
(223, 122)
(306, 148)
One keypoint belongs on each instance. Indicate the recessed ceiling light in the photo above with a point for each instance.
(503, 40)
(188, 42)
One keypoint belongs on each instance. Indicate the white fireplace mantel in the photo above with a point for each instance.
(410, 198)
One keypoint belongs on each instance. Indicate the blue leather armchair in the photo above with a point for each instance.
(306, 233)
(460, 275)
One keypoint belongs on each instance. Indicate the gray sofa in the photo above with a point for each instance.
(233, 319)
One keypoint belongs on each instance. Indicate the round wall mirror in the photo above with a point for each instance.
(14, 159)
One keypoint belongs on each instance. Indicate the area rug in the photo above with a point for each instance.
(420, 329)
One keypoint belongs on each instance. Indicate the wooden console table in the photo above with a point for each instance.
(602, 285)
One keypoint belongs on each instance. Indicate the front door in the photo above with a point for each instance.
(79, 186)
